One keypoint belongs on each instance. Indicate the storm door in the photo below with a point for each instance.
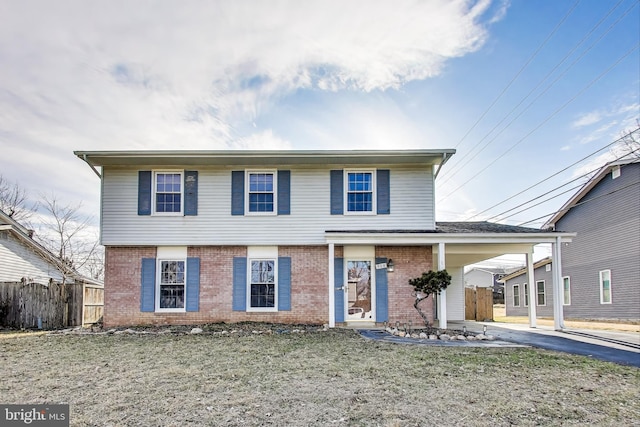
(359, 292)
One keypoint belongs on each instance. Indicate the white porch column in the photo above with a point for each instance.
(558, 309)
(332, 304)
(531, 289)
(442, 301)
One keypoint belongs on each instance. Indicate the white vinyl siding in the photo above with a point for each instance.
(455, 295)
(411, 208)
(20, 261)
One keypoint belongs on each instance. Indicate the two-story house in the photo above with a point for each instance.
(325, 237)
(601, 266)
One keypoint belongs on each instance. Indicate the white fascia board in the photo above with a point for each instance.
(261, 158)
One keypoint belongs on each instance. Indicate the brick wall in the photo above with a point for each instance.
(409, 262)
(309, 286)
(309, 281)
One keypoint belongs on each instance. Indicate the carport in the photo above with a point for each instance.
(455, 245)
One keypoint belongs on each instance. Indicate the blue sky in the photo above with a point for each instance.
(300, 75)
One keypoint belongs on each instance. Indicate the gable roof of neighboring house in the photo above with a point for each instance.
(25, 236)
(588, 186)
(522, 271)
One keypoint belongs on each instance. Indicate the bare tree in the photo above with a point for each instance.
(66, 233)
(629, 145)
(14, 201)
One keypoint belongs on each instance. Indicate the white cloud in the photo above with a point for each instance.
(587, 119)
(194, 75)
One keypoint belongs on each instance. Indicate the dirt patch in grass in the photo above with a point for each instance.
(310, 378)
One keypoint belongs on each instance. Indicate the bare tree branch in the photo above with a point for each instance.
(65, 235)
(14, 201)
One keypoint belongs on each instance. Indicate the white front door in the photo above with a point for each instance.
(359, 293)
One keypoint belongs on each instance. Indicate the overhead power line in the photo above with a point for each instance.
(461, 163)
(549, 117)
(555, 174)
(514, 78)
(580, 203)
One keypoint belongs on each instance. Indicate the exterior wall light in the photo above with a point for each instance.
(390, 266)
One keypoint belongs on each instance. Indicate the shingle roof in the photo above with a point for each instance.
(479, 227)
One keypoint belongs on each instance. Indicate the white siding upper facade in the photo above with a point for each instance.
(411, 208)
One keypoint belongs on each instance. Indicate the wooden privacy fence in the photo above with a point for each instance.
(33, 305)
(478, 304)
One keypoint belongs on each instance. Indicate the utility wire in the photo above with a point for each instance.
(557, 188)
(526, 64)
(549, 117)
(581, 203)
(555, 174)
(459, 164)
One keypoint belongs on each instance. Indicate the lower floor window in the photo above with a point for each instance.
(541, 294)
(263, 285)
(172, 284)
(605, 287)
(566, 283)
(516, 295)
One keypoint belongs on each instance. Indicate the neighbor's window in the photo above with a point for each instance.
(516, 295)
(261, 192)
(541, 294)
(168, 192)
(171, 285)
(360, 187)
(263, 284)
(526, 295)
(605, 287)
(566, 294)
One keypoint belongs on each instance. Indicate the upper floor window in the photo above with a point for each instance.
(261, 192)
(360, 191)
(605, 287)
(168, 192)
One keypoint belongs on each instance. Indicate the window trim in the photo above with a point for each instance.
(564, 290)
(159, 262)
(526, 294)
(247, 191)
(544, 293)
(273, 309)
(154, 192)
(374, 192)
(513, 297)
(602, 301)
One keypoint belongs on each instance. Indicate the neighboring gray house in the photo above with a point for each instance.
(516, 290)
(601, 266)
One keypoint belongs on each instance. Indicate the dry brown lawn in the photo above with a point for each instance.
(333, 378)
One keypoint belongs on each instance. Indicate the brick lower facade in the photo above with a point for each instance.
(309, 286)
